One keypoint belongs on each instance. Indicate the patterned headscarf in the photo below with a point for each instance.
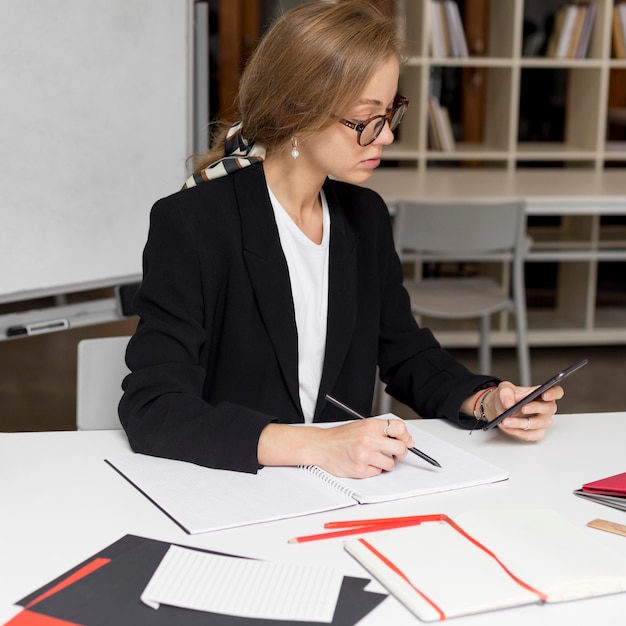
(238, 153)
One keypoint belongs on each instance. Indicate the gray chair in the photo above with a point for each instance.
(100, 370)
(442, 232)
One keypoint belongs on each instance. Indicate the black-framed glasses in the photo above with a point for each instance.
(368, 130)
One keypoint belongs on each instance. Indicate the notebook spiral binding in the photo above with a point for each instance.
(328, 479)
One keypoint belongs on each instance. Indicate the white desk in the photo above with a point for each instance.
(61, 503)
(546, 191)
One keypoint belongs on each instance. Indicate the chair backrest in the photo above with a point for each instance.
(432, 231)
(101, 368)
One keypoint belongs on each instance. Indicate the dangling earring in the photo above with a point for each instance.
(294, 148)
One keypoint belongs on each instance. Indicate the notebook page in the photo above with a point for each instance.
(232, 586)
(201, 499)
(548, 551)
(413, 476)
(447, 575)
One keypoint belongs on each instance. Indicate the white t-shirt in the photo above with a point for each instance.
(308, 273)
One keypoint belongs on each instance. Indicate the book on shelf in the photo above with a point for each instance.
(571, 33)
(619, 31)
(441, 136)
(556, 31)
(616, 115)
(438, 32)
(572, 48)
(615, 146)
(570, 12)
(458, 44)
(448, 136)
(587, 28)
(487, 560)
(622, 16)
(201, 499)
(434, 130)
(447, 37)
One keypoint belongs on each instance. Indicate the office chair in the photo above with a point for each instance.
(434, 233)
(100, 370)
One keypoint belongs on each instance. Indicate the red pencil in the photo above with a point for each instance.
(367, 526)
(413, 519)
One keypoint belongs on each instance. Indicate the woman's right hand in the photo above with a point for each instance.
(356, 449)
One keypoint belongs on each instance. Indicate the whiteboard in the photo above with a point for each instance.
(94, 128)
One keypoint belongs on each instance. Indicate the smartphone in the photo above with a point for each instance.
(537, 392)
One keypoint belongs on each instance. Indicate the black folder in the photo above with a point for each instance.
(106, 588)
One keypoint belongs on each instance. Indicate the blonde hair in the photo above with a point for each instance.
(313, 63)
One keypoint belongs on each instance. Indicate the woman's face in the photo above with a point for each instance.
(335, 151)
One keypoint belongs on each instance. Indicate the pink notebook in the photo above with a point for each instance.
(611, 486)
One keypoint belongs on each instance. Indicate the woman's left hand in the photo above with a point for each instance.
(529, 423)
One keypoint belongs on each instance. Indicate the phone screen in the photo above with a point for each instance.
(536, 393)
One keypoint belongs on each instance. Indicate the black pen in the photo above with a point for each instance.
(349, 411)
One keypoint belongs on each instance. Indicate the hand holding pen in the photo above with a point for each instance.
(356, 415)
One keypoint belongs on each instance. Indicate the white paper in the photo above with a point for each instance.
(232, 586)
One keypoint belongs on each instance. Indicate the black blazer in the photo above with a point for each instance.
(214, 357)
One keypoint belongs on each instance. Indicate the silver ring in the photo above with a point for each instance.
(385, 431)
(527, 424)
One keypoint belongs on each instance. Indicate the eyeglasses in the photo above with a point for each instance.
(368, 131)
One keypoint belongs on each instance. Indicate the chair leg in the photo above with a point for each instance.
(484, 353)
(521, 326)
(523, 355)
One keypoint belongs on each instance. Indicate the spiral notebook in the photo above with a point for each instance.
(201, 499)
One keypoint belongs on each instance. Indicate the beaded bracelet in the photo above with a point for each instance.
(481, 399)
(483, 417)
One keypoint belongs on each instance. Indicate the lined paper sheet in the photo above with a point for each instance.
(220, 584)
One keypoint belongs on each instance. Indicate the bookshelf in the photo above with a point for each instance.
(554, 134)
(511, 80)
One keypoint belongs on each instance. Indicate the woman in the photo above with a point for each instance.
(269, 284)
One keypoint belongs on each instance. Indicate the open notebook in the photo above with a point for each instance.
(200, 499)
(487, 560)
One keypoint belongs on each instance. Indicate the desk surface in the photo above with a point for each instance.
(546, 192)
(61, 503)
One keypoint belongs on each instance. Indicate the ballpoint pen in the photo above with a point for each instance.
(353, 413)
